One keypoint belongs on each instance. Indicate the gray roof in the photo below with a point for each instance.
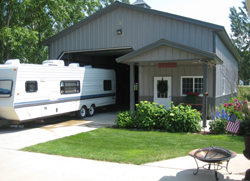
(163, 41)
(220, 30)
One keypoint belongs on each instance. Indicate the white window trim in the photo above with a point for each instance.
(193, 84)
(223, 86)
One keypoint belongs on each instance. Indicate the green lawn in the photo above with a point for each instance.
(244, 92)
(135, 147)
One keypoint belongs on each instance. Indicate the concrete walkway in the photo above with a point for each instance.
(19, 165)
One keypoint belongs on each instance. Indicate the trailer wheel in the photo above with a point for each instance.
(91, 110)
(82, 112)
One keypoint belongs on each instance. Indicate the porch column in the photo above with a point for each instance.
(132, 92)
(204, 102)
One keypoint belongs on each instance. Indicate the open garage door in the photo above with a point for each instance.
(105, 58)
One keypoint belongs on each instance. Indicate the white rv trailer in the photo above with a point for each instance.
(32, 91)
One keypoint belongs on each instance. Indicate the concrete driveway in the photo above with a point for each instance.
(20, 165)
(17, 137)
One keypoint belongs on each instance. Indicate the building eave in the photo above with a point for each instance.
(228, 43)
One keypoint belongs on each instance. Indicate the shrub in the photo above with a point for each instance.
(218, 126)
(150, 115)
(125, 119)
(183, 119)
(244, 93)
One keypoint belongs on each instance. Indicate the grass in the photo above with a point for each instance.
(134, 147)
(244, 92)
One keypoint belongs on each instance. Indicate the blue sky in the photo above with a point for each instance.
(212, 11)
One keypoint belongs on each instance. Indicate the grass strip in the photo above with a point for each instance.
(134, 147)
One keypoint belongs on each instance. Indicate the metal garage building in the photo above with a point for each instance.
(146, 46)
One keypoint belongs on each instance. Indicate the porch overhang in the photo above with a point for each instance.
(167, 51)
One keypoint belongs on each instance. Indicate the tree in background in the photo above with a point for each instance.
(240, 27)
(25, 23)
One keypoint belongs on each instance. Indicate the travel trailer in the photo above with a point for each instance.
(34, 91)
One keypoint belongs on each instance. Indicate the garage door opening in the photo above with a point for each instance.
(106, 59)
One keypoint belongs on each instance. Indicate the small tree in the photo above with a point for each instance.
(240, 27)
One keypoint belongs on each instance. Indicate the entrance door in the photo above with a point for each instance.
(162, 91)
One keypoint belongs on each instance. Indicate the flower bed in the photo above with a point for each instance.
(235, 106)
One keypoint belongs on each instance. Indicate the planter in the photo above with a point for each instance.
(198, 107)
(246, 153)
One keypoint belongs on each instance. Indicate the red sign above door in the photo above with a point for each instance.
(167, 65)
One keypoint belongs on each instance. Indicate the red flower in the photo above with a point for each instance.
(230, 104)
(225, 105)
(196, 94)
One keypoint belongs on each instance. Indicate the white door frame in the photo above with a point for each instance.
(163, 101)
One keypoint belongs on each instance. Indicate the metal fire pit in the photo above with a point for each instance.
(212, 155)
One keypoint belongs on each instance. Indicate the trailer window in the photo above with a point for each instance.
(107, 85)
(5, 88)
(31, 86)
(70, 87)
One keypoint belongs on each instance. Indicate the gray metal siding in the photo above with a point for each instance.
(228, 70)
(138, 30)
(147, 74)
(165, 53)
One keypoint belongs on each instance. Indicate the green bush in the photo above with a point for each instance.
(218, 126)
(244, 93)
(150, 116)
(183, 119)
(125, 119)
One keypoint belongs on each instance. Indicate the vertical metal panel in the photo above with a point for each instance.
(210, 80)
(102, 30)
(168, 34)
(139, 29)
(73, 40)
(174, 30)
(162, 28)
(161, 52)
(192, 35)
(228, 70)
(145, 28)
(198, 42)
(186, 34)
(51, 50)
(180, 30)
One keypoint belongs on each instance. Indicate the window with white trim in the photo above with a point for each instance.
(191, 84)
(223, 86)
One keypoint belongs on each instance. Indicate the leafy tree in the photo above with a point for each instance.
(240, 26)
(25, 23)
(108, 2)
